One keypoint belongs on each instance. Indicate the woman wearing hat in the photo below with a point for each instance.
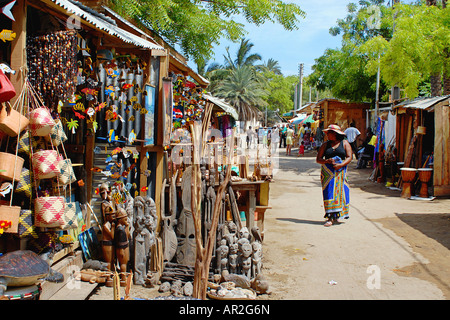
(334, 155)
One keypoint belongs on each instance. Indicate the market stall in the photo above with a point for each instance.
(422, 141)
(94, 184)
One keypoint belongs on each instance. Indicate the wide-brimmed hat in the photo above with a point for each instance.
(335, 128)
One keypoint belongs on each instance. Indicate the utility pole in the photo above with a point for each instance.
(300, 86)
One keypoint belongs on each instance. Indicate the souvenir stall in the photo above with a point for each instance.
(236, 255)
(87, 126)
(422, 144)
(86, 105)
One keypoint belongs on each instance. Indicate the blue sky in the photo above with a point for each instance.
(290, 48)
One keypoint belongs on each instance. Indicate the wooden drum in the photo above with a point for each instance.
(408, 176)
(425, 175)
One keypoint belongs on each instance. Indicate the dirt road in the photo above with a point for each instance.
(390, 248)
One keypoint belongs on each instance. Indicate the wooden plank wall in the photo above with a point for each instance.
(442, 151)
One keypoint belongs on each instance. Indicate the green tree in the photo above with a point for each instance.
(417, 51)
(243, 91)
(343, 70)
(198, 25)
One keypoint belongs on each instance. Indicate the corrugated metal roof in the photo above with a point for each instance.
(222, 104)
(422, 103)
(106, 24)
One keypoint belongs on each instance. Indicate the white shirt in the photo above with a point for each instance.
(352, 133)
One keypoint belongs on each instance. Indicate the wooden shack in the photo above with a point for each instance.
(422, 138)
(333, 111)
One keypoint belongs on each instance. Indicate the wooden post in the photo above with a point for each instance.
(18, 46)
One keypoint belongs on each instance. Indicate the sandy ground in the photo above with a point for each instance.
(390, 248)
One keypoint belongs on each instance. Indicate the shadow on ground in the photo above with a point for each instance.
(434, 225)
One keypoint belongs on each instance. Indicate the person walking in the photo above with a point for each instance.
(352, 134)
(334, 156)
(250, 136)
(283, 137)
(289, 140)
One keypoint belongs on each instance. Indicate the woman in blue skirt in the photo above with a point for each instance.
(335, 155)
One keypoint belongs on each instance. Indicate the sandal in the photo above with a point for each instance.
(329, 223)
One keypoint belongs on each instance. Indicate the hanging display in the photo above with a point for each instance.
(52, 65)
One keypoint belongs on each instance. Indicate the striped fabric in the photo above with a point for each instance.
(336, 192)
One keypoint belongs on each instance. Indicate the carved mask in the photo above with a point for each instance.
(186, 248)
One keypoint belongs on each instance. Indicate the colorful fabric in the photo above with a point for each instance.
(336, 192)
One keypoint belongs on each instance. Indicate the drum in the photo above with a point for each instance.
(23, 293)
(408, 176)
(425, 175)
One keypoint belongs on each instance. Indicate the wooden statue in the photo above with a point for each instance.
(108, 230)
(233, 258)
(185, 231)
(245, 260)
(209, 206)
(107, 204)
(168, 222)
(256, 258)
(222, 256)
(121, 237)
(144, 236)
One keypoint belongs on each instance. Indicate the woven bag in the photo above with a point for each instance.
(26, 225)
(41, 122)
(25, 184)
(46, 164)
(70, 218)
(49, 211)
(24, 143)
(66, 175)
(12, 122)
(57, 134)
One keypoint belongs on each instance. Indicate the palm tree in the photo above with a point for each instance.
(242, 90)
(271, 65)
(243, 56)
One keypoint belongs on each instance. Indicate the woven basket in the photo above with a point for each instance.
(10, 213)
(7, 161)
(9, 122)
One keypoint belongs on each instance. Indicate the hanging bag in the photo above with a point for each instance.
(40, 117)
(11, 214)
(46, 164)
(48, 210)
(7, 91)
(57, 134)
(25, 184)
(70, 213)
(66, 175)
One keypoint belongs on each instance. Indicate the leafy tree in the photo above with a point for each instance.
(343, 70)
(197, 25)
(243, 91)
(418, 50)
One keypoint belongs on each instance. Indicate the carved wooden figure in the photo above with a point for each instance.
(185, 230)
(222, 256)
(144, 237)
(209, 207)
(168, 222)
(108, 229)
(107, 204)
(121, 241)
(233, 258)
(256, 259)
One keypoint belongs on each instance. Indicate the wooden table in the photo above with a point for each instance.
(254, 188)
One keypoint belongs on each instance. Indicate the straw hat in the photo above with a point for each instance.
(335, 128)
